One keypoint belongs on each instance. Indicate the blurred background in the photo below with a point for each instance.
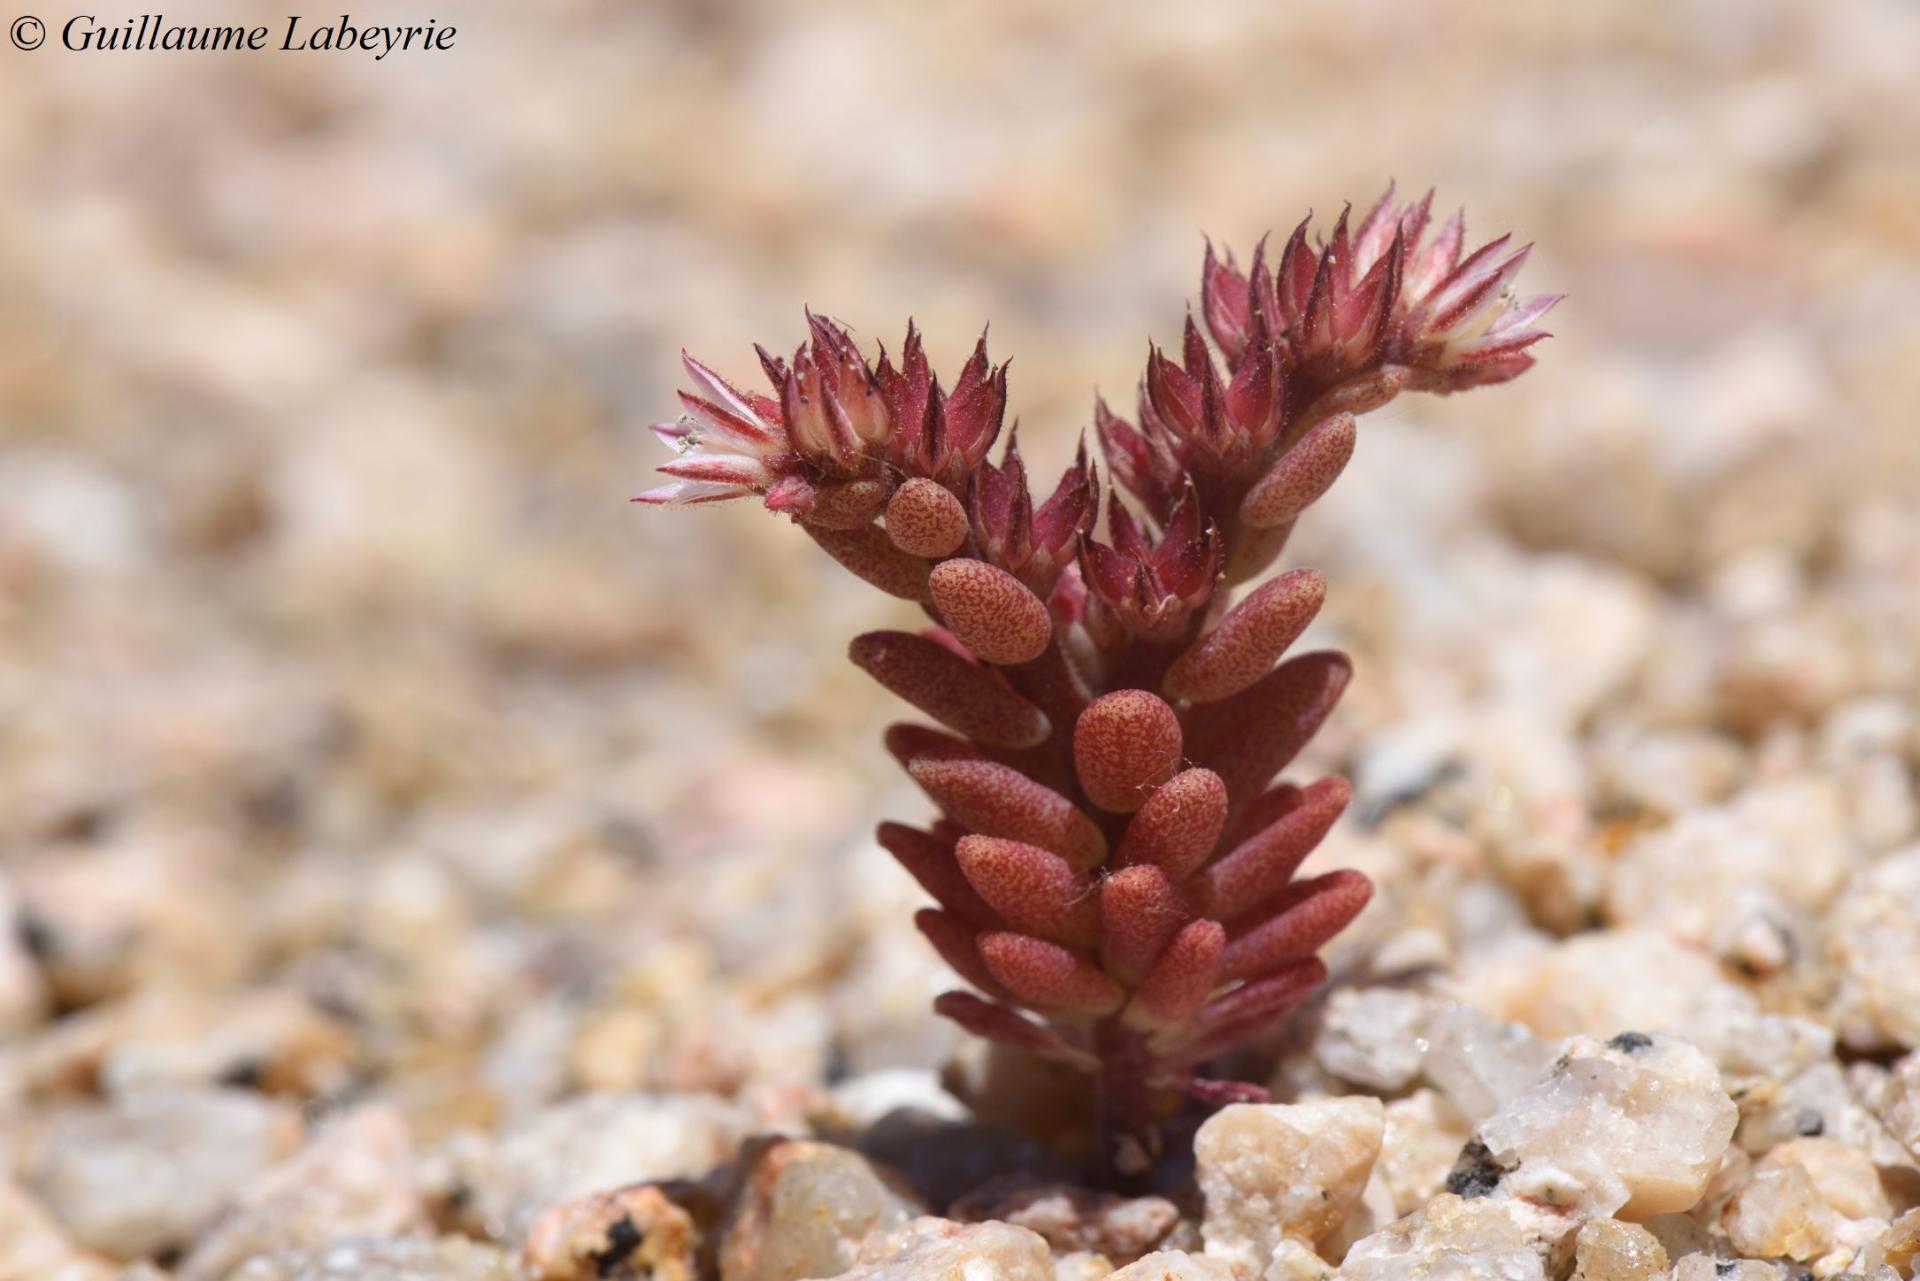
(358, 737)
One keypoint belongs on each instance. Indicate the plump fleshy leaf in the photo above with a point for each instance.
(851, 505)
(925, 519)
(1249, 738)
(1178, 826)
(868, 554)
(1048, 976)
(1242, 1014)
(960, 695)
(930, 861)
(1255, 873)
(996, 1022)
(992, 612)
(958, 945)
(1034, 890)
(1302, 474)
(1125, 745)
(1178, 982)
(1303, 918)
(998, 800)
(1246, 643)
(1140, 910)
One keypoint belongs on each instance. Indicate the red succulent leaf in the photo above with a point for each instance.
(870, 555)
(925, 519)
(1033, 890)
(908, 743)
(1302, 474)
(929, 859)
(1177, 984)
(1242, 1014)
(1048, 976)
(1247, 642)
(996, 1022)
(1257, 871)
(992, 612)
(1125, 745)
(1302, 919)
(960, 695)
(998, 800)
(1251, 737)
(1141, 909)
(958, 945)
(1178, 826)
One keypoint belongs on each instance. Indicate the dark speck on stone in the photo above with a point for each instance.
(1809, 1124)
(1475, 1174)
(247, 1074)
(1724, 1268)
(622, 1240)
(1630, 1042)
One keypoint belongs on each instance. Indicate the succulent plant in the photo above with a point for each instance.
(1114, 866)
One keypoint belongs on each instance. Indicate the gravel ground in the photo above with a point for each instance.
(416, 863)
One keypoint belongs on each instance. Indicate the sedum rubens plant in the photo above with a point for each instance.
(1114, 865)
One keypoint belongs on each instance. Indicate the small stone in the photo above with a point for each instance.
(806, 1208)
(32, 1247)
(1634, 1126)
(1900, 1108)
(1605, 981)
(1873, 940)
(1174, 1265)
(1082, 1265)
(383, 1259)
(274, 1041)
(1073, 1218)
(1897, 1248)
(355, 1179)
(1608, 1250)
(1423, 1138)
(1479, 1062)
(1371, 1037)
(1777, 844)
(588, 1145)
(152, 1171)
(1455, 1239)
(1296, 1261)
(1779, 1214)
(1270, 1171)
(631, 1234)
(939, 1248)
(1846, 1179)
(1709, 1267)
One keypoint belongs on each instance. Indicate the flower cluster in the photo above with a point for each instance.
(1114, 866)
